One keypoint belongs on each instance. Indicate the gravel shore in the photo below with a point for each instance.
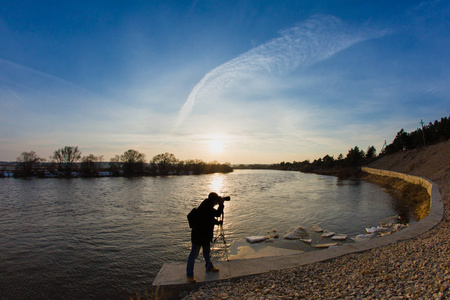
(415, 269)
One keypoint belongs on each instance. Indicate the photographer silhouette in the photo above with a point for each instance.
(203, 231)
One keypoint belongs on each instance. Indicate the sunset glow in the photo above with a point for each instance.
(216, 146)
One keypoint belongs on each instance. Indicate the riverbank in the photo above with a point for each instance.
(412, 269)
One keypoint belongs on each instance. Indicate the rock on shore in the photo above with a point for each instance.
(414, 269)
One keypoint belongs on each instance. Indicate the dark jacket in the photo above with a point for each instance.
(204, 232)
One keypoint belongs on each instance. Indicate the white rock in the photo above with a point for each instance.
(298, 233)
(339, 237)
(327, 234)
(376, 229)
(255, 239)
(316, 228)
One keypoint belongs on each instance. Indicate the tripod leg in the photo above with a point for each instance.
(222, 234)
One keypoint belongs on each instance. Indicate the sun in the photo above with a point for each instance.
(215, 146)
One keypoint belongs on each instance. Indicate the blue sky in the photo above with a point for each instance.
(232, 81)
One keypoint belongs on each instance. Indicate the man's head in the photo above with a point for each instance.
(214, 197)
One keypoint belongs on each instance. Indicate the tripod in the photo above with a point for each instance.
(221, 235)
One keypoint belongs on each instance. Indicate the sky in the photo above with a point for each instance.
(243, 82)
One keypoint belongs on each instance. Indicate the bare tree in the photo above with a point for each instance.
(164, 161)
(196, 166)
(115, 165)
(89, 166)
(28, 163)
(132, 162)
(66, 158)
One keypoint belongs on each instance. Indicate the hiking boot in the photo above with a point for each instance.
(192, 279)
(214, 270)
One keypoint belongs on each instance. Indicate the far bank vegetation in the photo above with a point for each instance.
(350, 165)
(68, 162)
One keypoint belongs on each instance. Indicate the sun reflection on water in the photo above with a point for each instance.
(216, 183)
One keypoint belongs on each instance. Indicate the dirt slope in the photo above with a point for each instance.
(432, 162)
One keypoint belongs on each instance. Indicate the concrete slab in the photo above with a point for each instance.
(245, 251)
(171, 282)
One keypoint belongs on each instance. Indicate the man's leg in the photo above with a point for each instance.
(207, 255)
(195, 250)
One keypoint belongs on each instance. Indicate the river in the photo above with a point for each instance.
(106, 238)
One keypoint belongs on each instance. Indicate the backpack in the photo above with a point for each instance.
(194, 218)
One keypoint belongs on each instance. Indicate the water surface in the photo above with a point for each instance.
(108, 237)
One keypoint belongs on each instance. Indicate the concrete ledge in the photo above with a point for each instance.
(171, 283)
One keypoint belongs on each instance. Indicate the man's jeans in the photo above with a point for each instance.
(195, 251)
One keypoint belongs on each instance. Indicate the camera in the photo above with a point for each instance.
(227, 198)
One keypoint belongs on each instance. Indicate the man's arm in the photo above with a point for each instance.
(219, 211)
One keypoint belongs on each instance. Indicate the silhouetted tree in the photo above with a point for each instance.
(354, 156)
(328, 161)
(180, 167)
(132, 162)
(371, 152)
(89, 166)
(196, 166)
(115, 165)
(66, 158)
(164, 162)
(27, 164)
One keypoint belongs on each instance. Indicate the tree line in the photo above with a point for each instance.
(436, 132)
(340, 166)
(329, 165)
(68, 162)
(433, 133)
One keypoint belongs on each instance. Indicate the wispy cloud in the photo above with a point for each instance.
(300, 46)
(40, 90)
